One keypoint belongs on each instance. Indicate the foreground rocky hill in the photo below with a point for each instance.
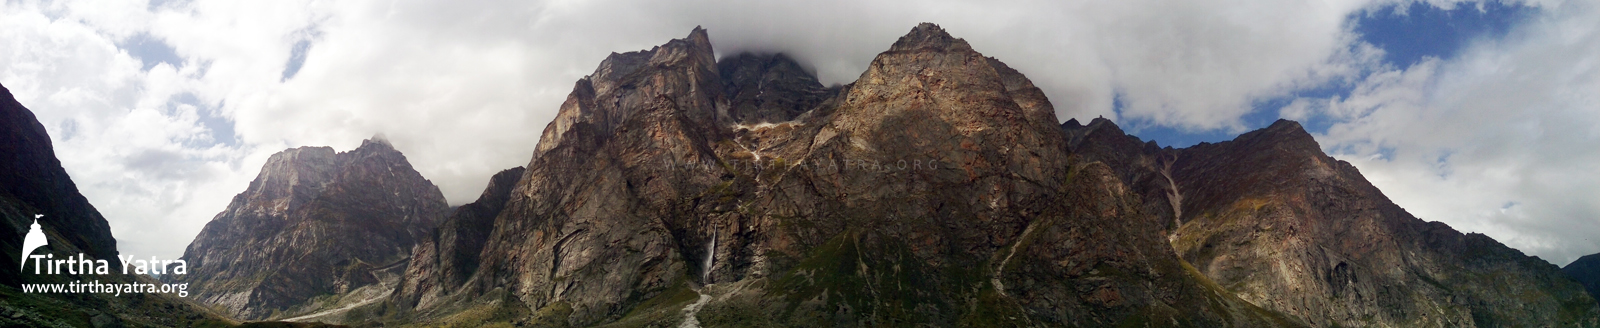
(313, 223)
(33, 183)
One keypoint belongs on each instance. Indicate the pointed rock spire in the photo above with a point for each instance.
(928, 36)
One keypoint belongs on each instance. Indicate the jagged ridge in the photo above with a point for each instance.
(636, 199)
(313, 222)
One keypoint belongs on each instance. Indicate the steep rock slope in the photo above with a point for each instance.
(936, 189)
(443, 261)
(1586, 270)
(32, 182)
(1272, 219)
(313, 222)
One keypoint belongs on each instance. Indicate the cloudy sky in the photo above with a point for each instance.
(1483, 115)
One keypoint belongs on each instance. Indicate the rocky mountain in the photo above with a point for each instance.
(313, 223)
(1586, 270)
(445, 259)
(32, 182)
(768, 88)
(1271, 218)
(34, 185)
(938, 189)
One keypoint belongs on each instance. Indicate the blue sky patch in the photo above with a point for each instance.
(151, 51)
(297, 57)
(1406, 32)
(219, 126)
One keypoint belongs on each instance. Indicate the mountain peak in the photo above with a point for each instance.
(378, 142)
(1586, 271)
(768, 87)
(928, 36)
(296, 218)
(699, 38)
(1284, 133)
(1286, 126)
(626, 82)
(377, 138)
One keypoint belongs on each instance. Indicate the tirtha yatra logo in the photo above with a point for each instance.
(33, 242)
(48, 264)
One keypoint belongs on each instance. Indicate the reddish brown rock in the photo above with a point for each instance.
(935, 190)
(1272, 219)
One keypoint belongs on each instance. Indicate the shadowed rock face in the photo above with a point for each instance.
(313, 222)
(443, 261)
(32, 182)
(1586, 270)
(1271, 218)
(768, 88)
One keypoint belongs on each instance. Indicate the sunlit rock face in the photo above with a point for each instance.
(1280, 224)
(938, 189)
(314, 222)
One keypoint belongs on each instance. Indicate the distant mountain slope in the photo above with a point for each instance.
(1271, 218)
(314, 222)
(1586, 270)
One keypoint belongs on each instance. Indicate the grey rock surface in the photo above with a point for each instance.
(314, 222)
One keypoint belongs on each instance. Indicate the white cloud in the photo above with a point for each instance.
(1501, 140)
(143, 160)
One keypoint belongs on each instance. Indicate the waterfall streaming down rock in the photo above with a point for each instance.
(711, 254)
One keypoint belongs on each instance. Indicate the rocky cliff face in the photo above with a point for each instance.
(443, 261)
(936, 189)
(1273, 220)
(32, 182)
(1586, 271)
(768, 88)
(314, 222)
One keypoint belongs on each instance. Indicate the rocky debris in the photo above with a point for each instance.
(1586, 271)
(313, 222)
(33, 183)
(1274, 220)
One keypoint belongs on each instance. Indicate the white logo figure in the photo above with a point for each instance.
(33, 241)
